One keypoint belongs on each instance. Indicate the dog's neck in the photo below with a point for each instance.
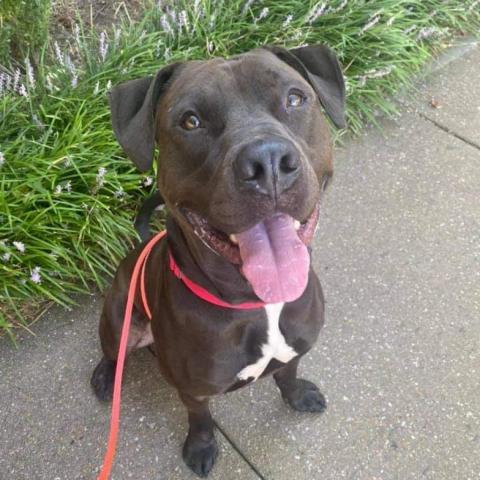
(210, 270)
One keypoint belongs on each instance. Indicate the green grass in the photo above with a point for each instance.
(55, 135)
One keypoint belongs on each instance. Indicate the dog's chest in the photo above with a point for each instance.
(275, 347)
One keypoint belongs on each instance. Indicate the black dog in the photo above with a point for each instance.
(245, 152)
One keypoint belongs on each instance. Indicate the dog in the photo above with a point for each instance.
(245, 152)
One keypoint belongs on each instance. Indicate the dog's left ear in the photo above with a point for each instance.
(320, 67)
(133, 107)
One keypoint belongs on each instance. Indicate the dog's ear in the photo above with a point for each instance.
(133, 108)
(320, 67)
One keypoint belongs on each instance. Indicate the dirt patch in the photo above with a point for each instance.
(99, 14)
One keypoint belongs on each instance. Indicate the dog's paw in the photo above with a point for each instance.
(305, 397)
(102, 379)
(200, 455)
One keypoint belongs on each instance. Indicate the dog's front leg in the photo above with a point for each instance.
(300, 394)
(200, 448)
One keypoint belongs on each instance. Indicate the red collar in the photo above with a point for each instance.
(195, 288)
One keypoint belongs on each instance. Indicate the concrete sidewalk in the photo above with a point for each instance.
(398, 254)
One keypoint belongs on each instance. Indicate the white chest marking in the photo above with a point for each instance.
(276, 346)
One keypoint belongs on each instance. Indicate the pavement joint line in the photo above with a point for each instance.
(237, 449)
(449, 131)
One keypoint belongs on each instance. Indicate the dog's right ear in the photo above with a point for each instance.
(133, 107)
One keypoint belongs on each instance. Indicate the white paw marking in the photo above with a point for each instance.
(276, 346)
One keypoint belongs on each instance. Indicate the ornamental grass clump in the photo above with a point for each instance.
(68, 195)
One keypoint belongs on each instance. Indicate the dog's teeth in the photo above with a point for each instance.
(296, 224)
(233, 239)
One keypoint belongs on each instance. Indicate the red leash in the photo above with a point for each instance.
(122, 349)
(139, 270)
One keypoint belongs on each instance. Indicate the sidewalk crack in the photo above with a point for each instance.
(237, 449)
(449, 131)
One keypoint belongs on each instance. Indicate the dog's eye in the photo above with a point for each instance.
(295, 99)
(190, 122)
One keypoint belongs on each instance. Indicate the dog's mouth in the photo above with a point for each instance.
(272, 255)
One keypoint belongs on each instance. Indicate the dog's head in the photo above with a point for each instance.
(245, 152)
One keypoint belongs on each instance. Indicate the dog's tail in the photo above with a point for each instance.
(145, 214)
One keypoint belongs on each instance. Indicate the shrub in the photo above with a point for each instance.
(23, 28)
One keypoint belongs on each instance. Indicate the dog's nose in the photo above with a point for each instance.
(267, 166)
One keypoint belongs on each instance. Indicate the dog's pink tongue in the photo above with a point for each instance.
(274, 260)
